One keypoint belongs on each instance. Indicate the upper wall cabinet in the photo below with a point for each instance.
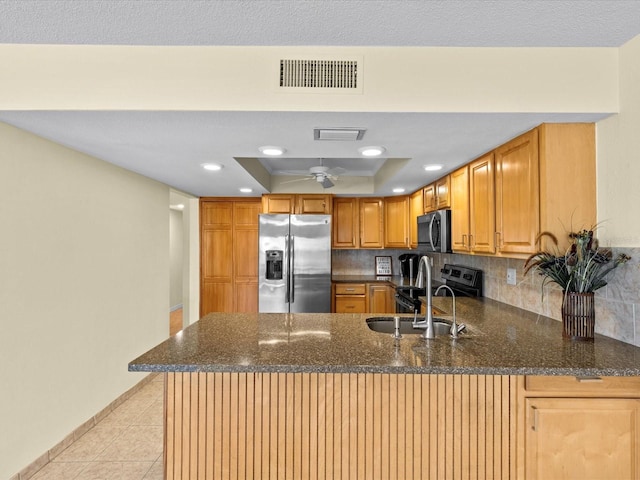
(358, 222)
(416, 208)
(541, 181)
(396, 222)
(517, 194)
(436, 195)
(299, 203)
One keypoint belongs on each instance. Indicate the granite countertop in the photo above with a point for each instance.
(501, 340)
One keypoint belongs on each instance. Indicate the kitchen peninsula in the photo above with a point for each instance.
(323, 396)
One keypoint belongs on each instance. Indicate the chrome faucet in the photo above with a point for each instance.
(424, 271)
(454, 327)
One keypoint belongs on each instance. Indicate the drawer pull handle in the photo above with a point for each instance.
(349, 289)
(589, 379)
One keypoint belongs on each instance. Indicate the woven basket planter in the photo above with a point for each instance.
(578, 315)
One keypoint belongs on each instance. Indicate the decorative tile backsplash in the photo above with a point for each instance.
(615, 304)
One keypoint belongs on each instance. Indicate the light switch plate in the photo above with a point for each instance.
(511, 276)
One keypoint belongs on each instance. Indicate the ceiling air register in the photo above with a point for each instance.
(339, 74)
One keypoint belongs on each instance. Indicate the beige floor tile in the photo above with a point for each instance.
(153, 415)
(91, 444)
(156, 472)
(138, 443)
(115, 471)
(126, 413)
(60, 471)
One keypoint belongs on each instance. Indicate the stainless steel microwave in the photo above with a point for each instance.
(434, 231)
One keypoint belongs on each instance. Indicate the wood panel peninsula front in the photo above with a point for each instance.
(316, 396)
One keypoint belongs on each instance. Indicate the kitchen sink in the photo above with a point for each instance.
(385, 325)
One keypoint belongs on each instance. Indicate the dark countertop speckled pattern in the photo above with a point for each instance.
(501, 340)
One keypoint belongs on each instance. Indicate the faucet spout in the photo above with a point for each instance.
(424, 273)
(454, 326)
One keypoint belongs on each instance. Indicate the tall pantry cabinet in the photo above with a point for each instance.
(229, 254)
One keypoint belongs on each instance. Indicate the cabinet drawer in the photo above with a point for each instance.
(350, 304)
(584, 385)
(350, 289)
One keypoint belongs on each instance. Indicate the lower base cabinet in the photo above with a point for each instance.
(582, 428)
(405, 426)
(582, 438)
(339, 426)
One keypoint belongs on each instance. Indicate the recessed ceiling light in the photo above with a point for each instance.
(213, 167)
(432, 168)
(272, 150)
(371, 151)
(398, 190)
(246, 190)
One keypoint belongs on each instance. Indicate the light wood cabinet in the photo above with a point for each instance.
(416, 208)
(442, 193)
(429, 197)
(381, 298)
(481, 205)
(396, 222)
(541, 181)
(350, 298)
(436, 195)
(297, 204)
(343, 426)
(371, 223)
(517, 207)
(229, 255)
(346, 223)
(582, 428)
(460, 210)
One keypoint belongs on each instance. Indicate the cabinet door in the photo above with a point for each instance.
(429, 198)
(314, 204)
(416, 208)
(277, 203)
(381, 299)
(517, 194)
(351, 304)
(371, 222)
(482, 205)
(460, 210)
(216, 267)
(346, 231)
(582, 438)
(245, 255)
(396, 222)
(442, 193)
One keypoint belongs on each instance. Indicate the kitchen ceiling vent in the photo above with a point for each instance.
(349, 134)
(334, 74)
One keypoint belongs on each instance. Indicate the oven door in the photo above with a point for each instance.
(403, 305)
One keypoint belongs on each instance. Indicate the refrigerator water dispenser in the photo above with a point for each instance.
(274, 264)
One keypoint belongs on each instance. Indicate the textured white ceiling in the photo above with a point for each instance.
(170, 147)
(498, 23)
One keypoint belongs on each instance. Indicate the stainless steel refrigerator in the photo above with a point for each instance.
(294, 264)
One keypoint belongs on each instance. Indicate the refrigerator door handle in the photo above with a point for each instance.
(292, 249)
(287, 262)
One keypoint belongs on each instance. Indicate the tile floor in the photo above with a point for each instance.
(125, 445)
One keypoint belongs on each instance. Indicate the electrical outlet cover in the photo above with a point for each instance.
(511, 276)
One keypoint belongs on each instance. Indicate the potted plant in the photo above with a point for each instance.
(580, 271)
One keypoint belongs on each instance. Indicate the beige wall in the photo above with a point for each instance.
(83, 288)
(619, 158)
(393, 79)
(175, 258)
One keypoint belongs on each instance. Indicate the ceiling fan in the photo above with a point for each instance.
(322, 174)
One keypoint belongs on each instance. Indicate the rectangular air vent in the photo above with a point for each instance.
(340, 74)
(351, 134)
